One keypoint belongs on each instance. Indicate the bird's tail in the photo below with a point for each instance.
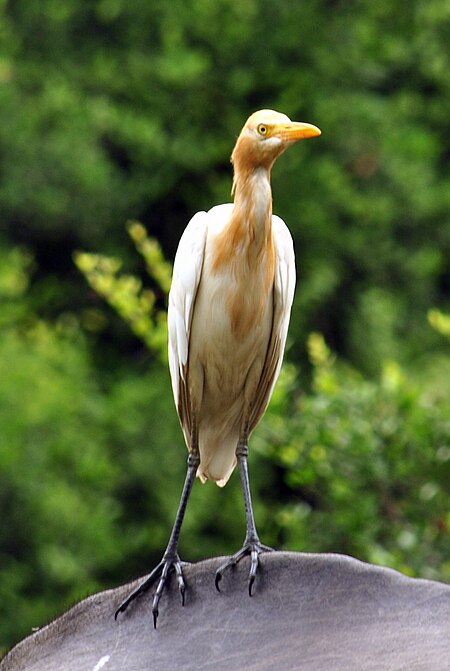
(217, 457)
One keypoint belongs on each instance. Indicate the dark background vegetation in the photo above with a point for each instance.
(113, 110)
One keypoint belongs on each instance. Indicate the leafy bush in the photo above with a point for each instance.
(56, 477)
(366, 464)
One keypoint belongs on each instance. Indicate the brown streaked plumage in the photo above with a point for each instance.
(229, 307)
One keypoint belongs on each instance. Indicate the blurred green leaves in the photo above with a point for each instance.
(126, 294)
(439, 321)
(367, 463)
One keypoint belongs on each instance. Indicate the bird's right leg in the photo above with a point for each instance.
(252, 545)
(170, 561)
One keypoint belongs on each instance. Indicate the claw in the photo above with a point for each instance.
(180, 580)
(251, 580)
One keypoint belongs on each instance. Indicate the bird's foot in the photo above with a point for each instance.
(254, 548)
(160, 573)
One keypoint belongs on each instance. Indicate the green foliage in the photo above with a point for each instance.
(367, 466)
(149, 248)
(56, 477)
(440, 321)
(126, 294)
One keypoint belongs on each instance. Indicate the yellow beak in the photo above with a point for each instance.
(296, 130)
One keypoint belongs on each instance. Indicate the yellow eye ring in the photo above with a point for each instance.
(262, 129)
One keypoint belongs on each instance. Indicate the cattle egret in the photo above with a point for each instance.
(229, 307)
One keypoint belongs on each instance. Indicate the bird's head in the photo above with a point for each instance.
(265, 135)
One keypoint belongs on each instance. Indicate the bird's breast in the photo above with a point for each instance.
(242, 298)
(233, 309)
(240, 269)
(229, 338)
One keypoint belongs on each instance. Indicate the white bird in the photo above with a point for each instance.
(229, 307)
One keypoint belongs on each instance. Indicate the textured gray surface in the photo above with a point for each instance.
(308, 611)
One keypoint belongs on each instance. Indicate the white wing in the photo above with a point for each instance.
(283, 295)
(187, 271)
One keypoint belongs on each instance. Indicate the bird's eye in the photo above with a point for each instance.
(262, 129)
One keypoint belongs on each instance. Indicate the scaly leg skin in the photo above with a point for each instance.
(170, 561)
(252, 545)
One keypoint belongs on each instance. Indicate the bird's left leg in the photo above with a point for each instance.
(252, 545)
(170, 561)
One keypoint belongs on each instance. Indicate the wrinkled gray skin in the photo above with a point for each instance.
(308, 611)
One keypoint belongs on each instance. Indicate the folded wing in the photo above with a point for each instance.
(187, 271)
(283, 294)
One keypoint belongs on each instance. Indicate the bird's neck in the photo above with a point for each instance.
(246, 243)
(244, 252)
(253, 198)
(252, 212)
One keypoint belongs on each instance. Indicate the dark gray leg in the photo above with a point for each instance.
(252, 545)
(170, 561)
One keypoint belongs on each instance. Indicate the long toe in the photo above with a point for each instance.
(252, 548)
(168, 567)
(159, 575)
